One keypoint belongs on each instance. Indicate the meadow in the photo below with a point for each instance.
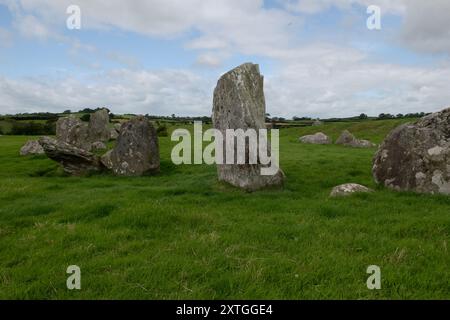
(183, 235)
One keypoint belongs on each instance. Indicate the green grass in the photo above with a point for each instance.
(183, 235)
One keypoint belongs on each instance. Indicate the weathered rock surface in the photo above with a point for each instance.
(32, 147)
(114, 134)
(73, 131)
(317, 138)
(416, 157)
(364, 144)
(75, 161)
(98, 126)
(345, 138)
(117, 126)
(348, 139)
(348, 189)
(137, 150)
(98, 145)
(239, 103)
(80, 134)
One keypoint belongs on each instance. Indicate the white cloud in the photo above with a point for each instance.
(124, 91)
(316, 6)
(211, 59)
(30, 26)
(243, 26)
(5, 38)
(427, 26)
(325, 81)
(338, 81)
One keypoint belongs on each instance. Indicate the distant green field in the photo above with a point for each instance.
(183, 235)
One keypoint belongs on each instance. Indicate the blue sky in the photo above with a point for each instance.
(318, 57)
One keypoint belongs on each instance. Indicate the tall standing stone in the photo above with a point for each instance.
(239, 103)
(137, 150)
(73, 131)
(99, 126)
(416, 157)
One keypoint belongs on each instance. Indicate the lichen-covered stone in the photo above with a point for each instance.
(239, 103)
(99, 126)
(114, 134)
(349, 140)
(137, 150)
(32, 147)
(348, 189)
(73, 131)
(317, 138)
(75, 161)
(416, 157)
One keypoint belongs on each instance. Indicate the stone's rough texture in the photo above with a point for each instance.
(348, 189)
(318, 138)
(31, 147)
(98, 126)
(114, 134)
(137, 150)
(364, 144)
(239, 103)
(75, 161)
(73, 131)
(345, 138)
(416, 157)
(117, 126)
(98, 145)
(348, 139)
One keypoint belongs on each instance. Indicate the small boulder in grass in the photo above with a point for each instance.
(348, 189)
(32, 147)
(348, 139)
(318, 138)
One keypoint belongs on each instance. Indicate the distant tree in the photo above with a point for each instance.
(173, 116)
(67, 112)
(385, 116)
(162, 131)
(33, 128)
(363, 116)
(85, 117)
(86, 110)
(400, 115)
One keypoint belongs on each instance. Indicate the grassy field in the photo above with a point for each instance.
(183, 235)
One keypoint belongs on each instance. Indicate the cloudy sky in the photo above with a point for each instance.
(165, 56)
